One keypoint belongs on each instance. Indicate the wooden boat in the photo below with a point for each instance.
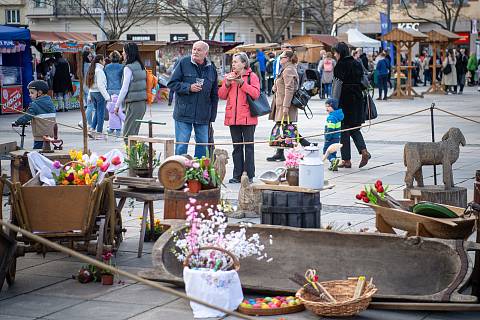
(415, 224)
(412, 269)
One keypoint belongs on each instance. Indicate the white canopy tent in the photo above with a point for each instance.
(359, 40)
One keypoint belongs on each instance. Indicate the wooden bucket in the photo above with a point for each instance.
(57, 209)
(176, 200)
(172, 172)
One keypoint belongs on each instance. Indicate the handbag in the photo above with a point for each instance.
(284, 135)
(447, 69)
(370, 108)
(300, 101)
(260, 106)
(336, 88)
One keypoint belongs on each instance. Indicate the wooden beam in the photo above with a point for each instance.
(425, 306)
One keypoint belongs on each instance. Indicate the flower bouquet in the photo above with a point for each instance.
(201, 174)
(373, 194)
(210, 256)
(292, 163)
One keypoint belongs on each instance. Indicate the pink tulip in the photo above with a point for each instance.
(104, 167)
(56, 164)
(116, 160)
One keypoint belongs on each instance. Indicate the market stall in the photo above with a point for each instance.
(147, 50)
(356, 39)
(308, 47)
(404, 38)
(15, 69)
(70, 44)
(440, 40)
(252, 47)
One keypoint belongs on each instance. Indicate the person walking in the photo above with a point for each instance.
(170, 72)
(427, 73)
(284, 88)
(114, 73)
(461, 66)
(235, 88)
(133, 91)
(326, 67)
(62, 82)
(86, 60)
(262, 61)
(348, 74)
(269, 72)
(382, 76)
(97, 94)
(255, 65)
(194, 82)
(321, 93)
(449, 77)
(472, 68)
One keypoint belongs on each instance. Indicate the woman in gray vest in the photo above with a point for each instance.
(133, 91)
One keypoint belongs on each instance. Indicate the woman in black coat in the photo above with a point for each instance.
(349, 71)
(62, 82)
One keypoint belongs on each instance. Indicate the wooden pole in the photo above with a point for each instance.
(399, 77)
(476, 268)
(409, 71)
(80, 100)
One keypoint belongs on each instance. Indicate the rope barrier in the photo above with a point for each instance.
(112, 269)
(225, 143)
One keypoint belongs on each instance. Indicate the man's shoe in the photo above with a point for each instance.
(365, 157)
(304, 142)
(234, 180)
(379, 98)
(345, 164)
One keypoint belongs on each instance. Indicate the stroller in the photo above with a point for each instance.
(312, 82)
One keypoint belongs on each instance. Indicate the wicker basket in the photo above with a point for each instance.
(342, 291)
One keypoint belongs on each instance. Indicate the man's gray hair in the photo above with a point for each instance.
(243, 58)
(204, 44)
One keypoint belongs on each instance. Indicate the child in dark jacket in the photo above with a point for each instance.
(334, 123)
(41, 112)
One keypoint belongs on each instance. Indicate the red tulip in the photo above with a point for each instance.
(103, 158)
(378, 183)
(366, 200)
(363, 193)
(315, 278)
(116, 160)
(380, 189)
(206, 162)
(104, 167)
(70, 177)
(358, 196)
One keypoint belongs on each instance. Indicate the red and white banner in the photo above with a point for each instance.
(12, 101)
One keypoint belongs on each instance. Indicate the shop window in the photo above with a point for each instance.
(40, 4)
(229, 36)
(12, 16)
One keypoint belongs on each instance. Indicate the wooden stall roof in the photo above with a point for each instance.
(225, 45)
(442, 36)
(142, 45)
(49, 36)
(253, 47)
(325, 39)
(410, 35)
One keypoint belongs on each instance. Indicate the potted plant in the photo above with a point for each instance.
(107, 275)
(292, 163)
(210, 255)
(196, 175)
(137, 160)
(158, 229)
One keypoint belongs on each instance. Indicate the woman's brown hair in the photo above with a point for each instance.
(90, 79)
(115, 56)
(291, 56)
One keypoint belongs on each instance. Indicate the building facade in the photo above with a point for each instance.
(12, 12)
(368, 21)
(66, 16)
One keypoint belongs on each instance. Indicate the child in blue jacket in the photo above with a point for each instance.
(334, 123)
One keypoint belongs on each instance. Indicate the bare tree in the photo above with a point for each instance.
(272, 17)
(204, 16)
(119, 15)
(320, 12)
(448, 10)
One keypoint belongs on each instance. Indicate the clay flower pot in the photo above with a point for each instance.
(142, 172)
(194, 186)
(107, 279)
(292, 176)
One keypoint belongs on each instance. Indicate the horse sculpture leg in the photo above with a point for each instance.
(419, 177)
(447, 174)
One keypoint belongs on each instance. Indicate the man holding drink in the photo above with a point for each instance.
(196, 86)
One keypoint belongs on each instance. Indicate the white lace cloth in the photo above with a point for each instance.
(220, 288)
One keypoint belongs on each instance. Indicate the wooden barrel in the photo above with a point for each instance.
(176, 200)
(172, 172)
(293, 209)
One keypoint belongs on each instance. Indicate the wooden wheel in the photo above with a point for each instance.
(11, 272)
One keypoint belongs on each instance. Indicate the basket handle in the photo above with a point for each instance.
(236, 262)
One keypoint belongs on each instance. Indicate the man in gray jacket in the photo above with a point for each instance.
(195, 84)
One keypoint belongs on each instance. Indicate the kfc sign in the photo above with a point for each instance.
(408, 25)
(12, 101)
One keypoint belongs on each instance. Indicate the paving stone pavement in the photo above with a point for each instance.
(44, 288)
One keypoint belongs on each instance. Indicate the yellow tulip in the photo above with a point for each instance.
(88, 180)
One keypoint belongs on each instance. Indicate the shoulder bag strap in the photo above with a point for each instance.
(309, 111)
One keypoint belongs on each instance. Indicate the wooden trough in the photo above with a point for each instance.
(405, 269)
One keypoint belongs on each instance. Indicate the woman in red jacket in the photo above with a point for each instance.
(236, 85)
